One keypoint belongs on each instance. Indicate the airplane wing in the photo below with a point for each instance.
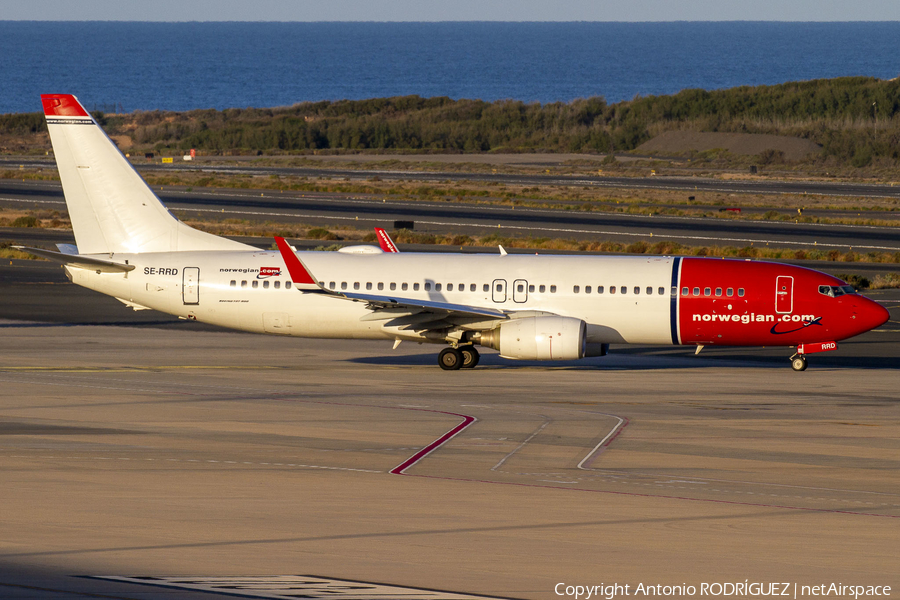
(385, 241)
(76, 260)
(399, 307)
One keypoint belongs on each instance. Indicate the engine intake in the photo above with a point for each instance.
(538, 338)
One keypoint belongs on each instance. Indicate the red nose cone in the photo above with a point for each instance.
(870, 314)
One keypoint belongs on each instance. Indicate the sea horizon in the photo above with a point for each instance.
(156, 65)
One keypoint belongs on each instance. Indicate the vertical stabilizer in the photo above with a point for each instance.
(112, 208)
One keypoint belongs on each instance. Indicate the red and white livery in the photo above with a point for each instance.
(527, 307)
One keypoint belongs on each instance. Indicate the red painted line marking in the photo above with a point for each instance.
(409, 462)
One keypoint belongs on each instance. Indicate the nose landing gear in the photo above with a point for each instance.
(798, 360)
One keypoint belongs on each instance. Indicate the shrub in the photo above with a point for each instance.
(28, 221)
(857, 281)
(320, 233)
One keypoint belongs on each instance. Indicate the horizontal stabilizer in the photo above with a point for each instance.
(76, 260)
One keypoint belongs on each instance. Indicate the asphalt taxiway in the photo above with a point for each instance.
(136, 445)
(337, 210)
(687, 184)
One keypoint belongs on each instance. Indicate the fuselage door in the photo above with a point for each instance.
(520, 290)
(498, 289)
(784, 294)
(190, 290)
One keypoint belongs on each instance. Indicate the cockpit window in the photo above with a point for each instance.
(836, 290)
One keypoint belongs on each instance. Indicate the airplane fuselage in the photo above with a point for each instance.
(630, 300)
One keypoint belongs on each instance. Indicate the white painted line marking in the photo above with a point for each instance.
(600, 444)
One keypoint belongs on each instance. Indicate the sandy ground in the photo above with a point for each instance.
(737, 143)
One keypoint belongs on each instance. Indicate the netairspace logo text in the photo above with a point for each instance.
(728, 589)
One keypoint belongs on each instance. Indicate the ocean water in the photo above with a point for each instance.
(181, 66)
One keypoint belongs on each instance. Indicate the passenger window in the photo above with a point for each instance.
(729, 292)
(255, 284)
(649, 291)
(599, 289)
(718, 291)
(277, 285)
(449, 287)
(393, 286)
(265, 284)
(234, 283)
(415, 287)
(404, 286)
(552, 289)
(612, 289)
(662, 291)
(741, 292)
(355, 285)
(707, 292)
(287, 285)
(427, 287)
(531, 288)
(542, 289)
(437, 287)
(576, 289)
(380, 286)
(587, 289)
(696, 291)
(684, 291)
(487, 288)
(637, 290)
(243, 284)
(472, 287)
(623, 289)
(368, 285)
(461, 287)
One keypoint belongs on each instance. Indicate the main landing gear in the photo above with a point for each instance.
(464, 357)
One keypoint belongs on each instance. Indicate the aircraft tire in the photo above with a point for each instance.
(450, 359)
(470, 357)
(798, 363)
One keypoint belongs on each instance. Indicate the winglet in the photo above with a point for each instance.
(298, 271)
(385, 241)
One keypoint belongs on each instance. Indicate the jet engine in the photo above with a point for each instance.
(537, 338)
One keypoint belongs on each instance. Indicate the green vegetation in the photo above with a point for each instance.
(854, 119)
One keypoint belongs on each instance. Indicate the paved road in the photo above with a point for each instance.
(443, 217)
(662, 183)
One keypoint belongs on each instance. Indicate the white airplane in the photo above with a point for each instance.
(527, 307)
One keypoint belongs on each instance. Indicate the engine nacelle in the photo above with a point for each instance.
(538, 338)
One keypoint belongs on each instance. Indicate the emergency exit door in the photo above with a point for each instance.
(190, 288)
(498, 290)
(784, 294)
